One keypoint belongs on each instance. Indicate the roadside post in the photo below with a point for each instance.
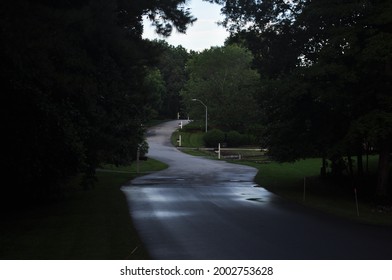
(356, 201)
(137, 159)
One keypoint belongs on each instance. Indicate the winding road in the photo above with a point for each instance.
(209, 209)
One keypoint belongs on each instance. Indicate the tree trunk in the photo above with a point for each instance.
(323, 169)
(383, 170)
(350, 166)
(367, 157)
(360, 164)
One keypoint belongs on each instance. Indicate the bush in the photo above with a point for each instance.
(213, 137)
(234, 138)
(249, 139)
(194, 126)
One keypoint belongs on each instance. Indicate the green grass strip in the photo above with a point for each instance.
(287, 181)
(90, 225)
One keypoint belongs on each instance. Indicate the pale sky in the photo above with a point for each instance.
(203, 34)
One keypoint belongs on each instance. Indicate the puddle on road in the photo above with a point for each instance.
(256, 199)
(159, 214)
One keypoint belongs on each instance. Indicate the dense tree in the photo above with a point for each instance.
(155, 88)
(73, 89)
(327, 69)
(171, 63)
(222, 78)
(356, 60)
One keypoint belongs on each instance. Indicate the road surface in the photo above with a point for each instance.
(208, 209)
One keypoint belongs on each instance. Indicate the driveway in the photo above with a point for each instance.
(208, 209)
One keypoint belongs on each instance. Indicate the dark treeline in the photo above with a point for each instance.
(326, 78)
(78, 82)
(73, 90)
(166, 80)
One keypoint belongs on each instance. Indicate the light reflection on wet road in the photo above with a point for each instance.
(206, 209)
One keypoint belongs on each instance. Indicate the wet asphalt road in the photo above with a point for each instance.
(206, 209)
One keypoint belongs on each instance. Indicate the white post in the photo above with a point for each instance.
(179, 140)
(137, 159)
(219, 151)
(206, 118)
(356, 201)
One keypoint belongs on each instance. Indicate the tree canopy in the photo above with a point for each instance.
(326, 69)
(75, 86)
(222, 78)
(79, 81)
(171, 64)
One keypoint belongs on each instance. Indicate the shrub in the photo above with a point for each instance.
(234, 138)
(213, 137)
(194, 127)
(249, 139)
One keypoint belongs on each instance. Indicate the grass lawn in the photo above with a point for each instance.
(91, 224)
(287, 181)
(188, 139)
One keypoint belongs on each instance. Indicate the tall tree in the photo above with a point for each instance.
(155, 88)
(73, 86)
(222, 78)
(349, 43)
(171, 63)
(328, 73)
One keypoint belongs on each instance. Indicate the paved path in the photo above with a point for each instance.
(206, 209)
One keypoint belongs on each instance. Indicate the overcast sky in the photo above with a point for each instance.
(204, 33)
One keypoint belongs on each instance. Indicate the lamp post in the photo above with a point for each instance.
(194, 99)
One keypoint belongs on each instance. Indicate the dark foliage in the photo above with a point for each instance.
(213, 137)
(326, 70)
(72, 77)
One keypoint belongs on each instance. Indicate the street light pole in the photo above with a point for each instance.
(194, 99)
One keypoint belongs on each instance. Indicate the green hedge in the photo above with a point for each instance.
(213, 137)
